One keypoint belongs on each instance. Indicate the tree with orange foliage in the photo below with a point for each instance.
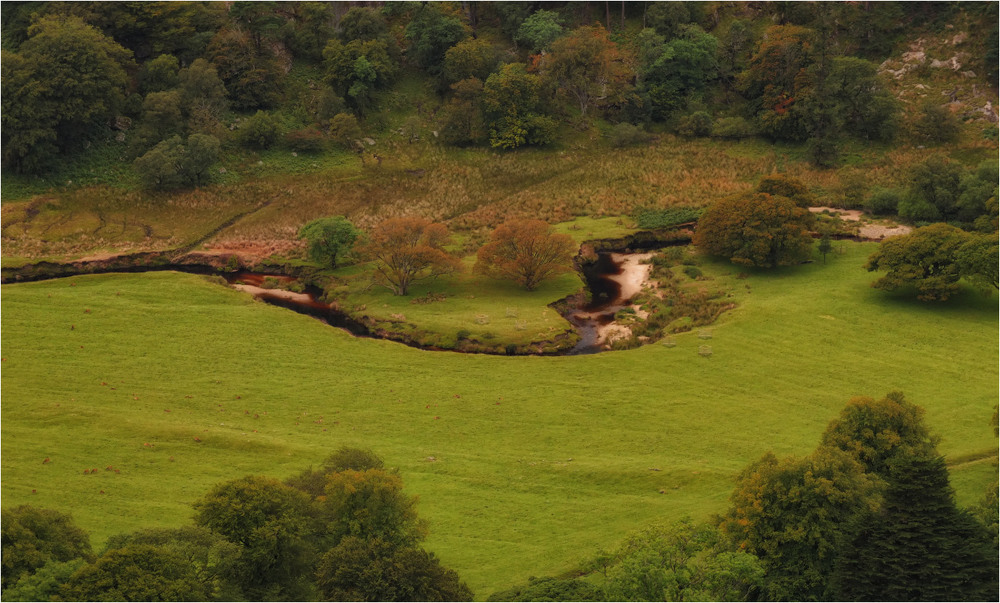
(406, 250)
(756, 229)
(587, 66)
(526, 252)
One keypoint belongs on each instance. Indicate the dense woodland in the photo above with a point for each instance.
(176, 89)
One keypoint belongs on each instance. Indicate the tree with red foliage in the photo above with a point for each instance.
(526, 252)
(406, 250)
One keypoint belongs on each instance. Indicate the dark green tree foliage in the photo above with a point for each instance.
(209, 555)
(357, 69)
(360, 569)
(918, 546)
(538, 31)
(250, 71)
(159, 74)
(862, 106)
(260, 131)
(977, 201)
(876, 432)
(978, 260)
(45, 584)
(203, 95)
(363, 24)
(925, 259)
(551, 589)
(792, 513)
(510, 15)
(309, 29)
(174, 163)
(32, 537)
(431, 33)
(883, 201)
(756, 230)
(669, 18)
(934, 191)
(270, 522)
(61, 86)
(512, 109)
(329, 238)
(682, 562)
(677, 69)
(136, 573)
(151, 29)
(161, 119)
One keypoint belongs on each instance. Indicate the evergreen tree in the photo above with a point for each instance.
(919, 546)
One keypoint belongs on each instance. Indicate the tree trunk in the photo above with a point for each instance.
(607, 14)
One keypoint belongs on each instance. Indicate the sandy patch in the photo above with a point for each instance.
(880, 231)
(279, 293)
(634, 273)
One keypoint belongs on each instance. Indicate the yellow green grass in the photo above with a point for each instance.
(524, 465)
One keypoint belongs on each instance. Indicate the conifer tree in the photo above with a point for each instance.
(919, 546)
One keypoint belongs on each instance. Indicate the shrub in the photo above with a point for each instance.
(463, 334)
(733, 127)
(626, 134)
(883, 201)
(935, 124)
(664, 218)
(344, 130)
(306, 140)
(260, 131)
(693, 272)
(697, 124)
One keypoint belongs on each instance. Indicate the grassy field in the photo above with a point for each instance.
(524, 465)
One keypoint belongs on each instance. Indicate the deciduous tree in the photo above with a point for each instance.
(924, 259)
(431, 33)
(877, 431)
(682, 562)
(526, 252)
(359, 569)
(588, 67)
(539, 30)
(328, 238)
(64, 82)
(136, 573)
(407, 250)
(792, 513)
(370, 504)
(270, 522)
(32, 537)
(512, 109)
(756, 230)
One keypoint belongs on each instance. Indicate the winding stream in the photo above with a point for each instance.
(612, 281)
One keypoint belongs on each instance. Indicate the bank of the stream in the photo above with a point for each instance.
(308, 290)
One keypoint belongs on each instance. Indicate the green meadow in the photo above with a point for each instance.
(523, 465)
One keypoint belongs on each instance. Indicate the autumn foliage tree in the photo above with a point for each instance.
(587, 66)
(526, 252)
(407, 250)
(756, 229)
